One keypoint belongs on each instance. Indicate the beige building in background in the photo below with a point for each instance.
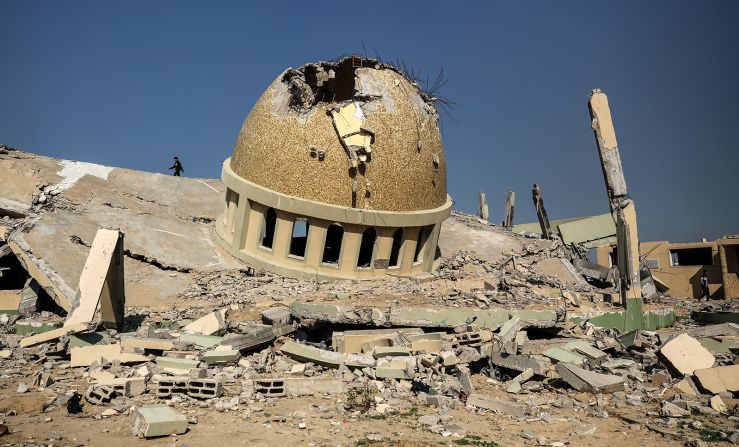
(678, 266)
(338, 172)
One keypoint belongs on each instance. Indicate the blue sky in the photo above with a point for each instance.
(133, 83)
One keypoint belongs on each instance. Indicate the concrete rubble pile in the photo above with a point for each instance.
(382, 360)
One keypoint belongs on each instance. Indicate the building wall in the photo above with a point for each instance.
(729, 255)
(682, 280)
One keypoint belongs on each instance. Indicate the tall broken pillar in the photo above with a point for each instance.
(484, 215)
(101, 284)
(510, 203)
(627, 249)
(541, 213)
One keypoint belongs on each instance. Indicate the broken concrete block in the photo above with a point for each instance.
(465, 379)
(718, 404)
(670, 410)
(305, 353)
(719, 379)
(157, 420)
(686, 354)
(352, 341)
(520, 363)
(87, 355)
(176, 365)
(583, 380)
(686, 386)
(256, 335)
(497, 405)
(563, 355)
(213, 323)
(125, 386)
(386, 372)
(29, 298)
(100, 394)
(220, 356)
(52, 335)
(270, 387)
(276, 315)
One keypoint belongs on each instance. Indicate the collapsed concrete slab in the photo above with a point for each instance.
(256, 335)
(498, 405)
(583, 380)
(101, 283)
(421, 316)
(87, 355)
(719, 379)
(520, 363)
(330, 359)
(686, 354)
(53, 334)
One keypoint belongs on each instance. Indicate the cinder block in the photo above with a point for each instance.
(167, 387)
(157, 420)
(100, 394)
(204, 388)
(126, 386)
(270, 387)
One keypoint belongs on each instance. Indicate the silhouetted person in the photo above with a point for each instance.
(177, 166)
(704, 285)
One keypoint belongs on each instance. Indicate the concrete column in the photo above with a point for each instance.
(384, 244)
(621, 205)
(510, 202)
(316, 241)
(241, 222)
(541, 212)
(410, 239)
(253, 227)
(283, 234)
(484, 214)
(350, 249)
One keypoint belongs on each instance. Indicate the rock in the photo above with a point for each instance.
(429, 419)
(375, 437)
(22, 388)
(671, 410)
(718, 404)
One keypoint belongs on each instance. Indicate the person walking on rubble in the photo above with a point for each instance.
(177, 166)
(704, 285)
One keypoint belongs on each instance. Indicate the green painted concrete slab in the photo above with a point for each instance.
(158, 420)
(224, 356)
(177, 363)
(563, 355)
(201, 341)
(27, 327)
(93, 338)
(715, 317)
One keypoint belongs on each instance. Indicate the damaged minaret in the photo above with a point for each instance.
(338, 172)
(621, 205)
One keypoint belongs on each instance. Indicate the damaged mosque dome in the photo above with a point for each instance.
(338, 172)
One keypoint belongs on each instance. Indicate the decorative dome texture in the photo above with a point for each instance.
(354, 133)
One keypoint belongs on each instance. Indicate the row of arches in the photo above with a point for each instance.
(333, 242)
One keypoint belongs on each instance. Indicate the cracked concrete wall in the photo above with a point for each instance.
(407, 167)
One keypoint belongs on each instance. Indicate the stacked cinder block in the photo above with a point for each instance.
(203, 388)
(167, 387)
(197, 388)
(270, 387)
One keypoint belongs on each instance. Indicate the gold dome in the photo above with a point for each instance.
(352, 133)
